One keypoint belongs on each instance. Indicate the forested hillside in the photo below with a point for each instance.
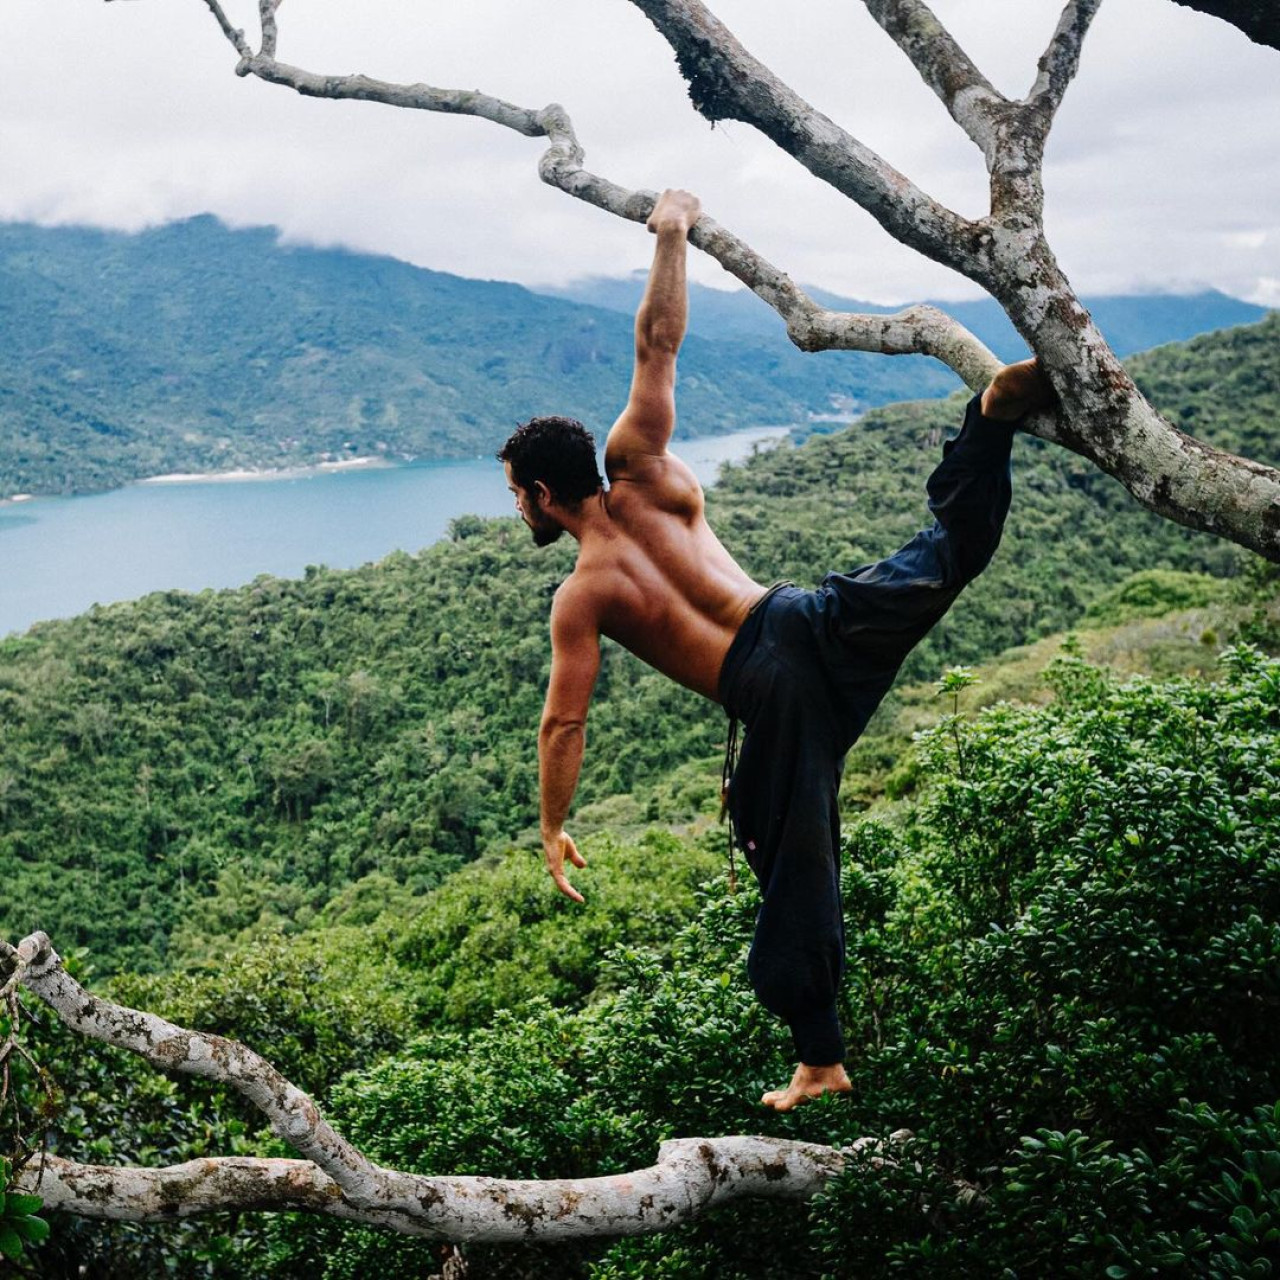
(193, 347)
(287, 813)
(1063, 951)
(193, 763)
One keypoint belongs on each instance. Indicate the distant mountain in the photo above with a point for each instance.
(193, 347)
(1131, 323)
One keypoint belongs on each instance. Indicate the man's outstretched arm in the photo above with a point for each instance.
(645, 425)
(575, 662)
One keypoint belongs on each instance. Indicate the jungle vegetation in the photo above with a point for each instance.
(299, 813)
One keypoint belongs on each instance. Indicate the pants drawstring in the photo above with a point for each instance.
(726, 776)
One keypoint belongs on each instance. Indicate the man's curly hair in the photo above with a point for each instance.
(560, 452)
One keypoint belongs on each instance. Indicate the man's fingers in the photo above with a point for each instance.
(562, 883)
(575, 857)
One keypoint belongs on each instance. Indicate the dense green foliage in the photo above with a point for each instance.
(1064, 953)
(1063, 962)
(195, 764)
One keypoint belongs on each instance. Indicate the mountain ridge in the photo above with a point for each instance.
(195, 347)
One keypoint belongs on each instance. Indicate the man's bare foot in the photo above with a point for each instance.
(1017, 390)
(808, 1082)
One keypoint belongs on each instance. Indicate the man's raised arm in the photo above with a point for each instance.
(646, 424)
(575, 662)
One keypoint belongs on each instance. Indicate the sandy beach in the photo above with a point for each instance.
(267, 473)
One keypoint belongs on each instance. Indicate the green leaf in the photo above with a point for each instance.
(36, 1230)
(10, 1243)
(20, 1206)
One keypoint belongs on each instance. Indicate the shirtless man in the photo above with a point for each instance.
(803, 670)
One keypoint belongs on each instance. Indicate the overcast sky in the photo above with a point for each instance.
(1163, 170)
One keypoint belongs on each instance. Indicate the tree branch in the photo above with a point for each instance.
(270, 32)
(234, 34)
(728, 83)
(923, 331)
(691, 1176)
(1061, 59)
(944, 66)
(417, 97)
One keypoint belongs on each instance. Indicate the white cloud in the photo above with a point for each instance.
(1164, 166)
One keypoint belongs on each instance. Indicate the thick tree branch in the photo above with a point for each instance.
(691, 1176)
(728, 83)
(944, 66)
(1258, 19)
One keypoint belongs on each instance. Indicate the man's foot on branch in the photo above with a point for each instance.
(1017, 390)
(808, 1082)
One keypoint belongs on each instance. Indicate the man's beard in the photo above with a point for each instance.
(544, 531)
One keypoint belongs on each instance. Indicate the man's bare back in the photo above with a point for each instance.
(650, 572)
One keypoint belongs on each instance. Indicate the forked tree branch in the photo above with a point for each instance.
(944, 66)
(1017, 183)
(691, 1176)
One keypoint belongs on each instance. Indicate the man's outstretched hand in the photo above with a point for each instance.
(556, 848)
(675, 209)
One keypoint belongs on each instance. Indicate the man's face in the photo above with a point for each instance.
(544, 528)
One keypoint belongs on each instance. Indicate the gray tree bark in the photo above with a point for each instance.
(691, 1176)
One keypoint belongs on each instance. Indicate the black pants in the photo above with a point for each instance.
(804, 674)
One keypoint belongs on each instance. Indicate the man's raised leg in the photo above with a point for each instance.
(886, 611)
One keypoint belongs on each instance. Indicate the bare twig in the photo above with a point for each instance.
(234, 34)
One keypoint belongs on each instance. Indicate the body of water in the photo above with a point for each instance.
(59, 556)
